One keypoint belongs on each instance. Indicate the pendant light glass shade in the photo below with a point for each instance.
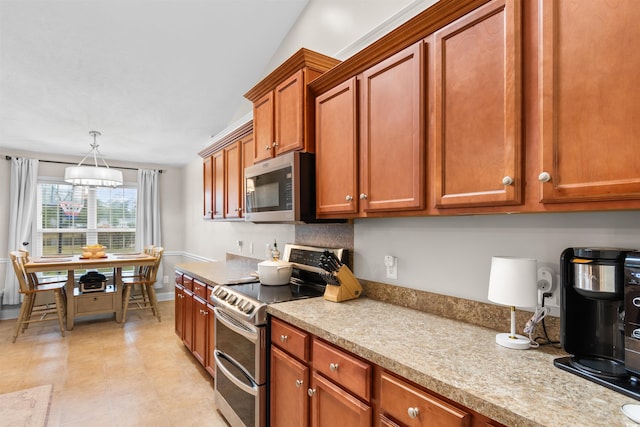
(93, 176)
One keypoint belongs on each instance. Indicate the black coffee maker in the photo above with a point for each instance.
(592, 316)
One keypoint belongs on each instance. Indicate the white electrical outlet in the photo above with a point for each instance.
(548, 284)
(391, 263)
(251, 248)
(165, 279)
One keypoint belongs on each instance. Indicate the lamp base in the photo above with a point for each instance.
(518, 342)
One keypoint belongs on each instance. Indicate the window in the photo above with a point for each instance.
(70, 217)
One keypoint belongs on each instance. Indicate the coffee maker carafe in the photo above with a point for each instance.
(592, 317)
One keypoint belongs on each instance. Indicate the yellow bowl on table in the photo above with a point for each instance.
(93, 251)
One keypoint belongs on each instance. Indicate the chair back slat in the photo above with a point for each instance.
(153, 269)
(27, 281)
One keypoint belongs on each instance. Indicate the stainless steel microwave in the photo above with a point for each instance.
(281, 189)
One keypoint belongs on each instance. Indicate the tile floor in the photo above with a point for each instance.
(104, 374)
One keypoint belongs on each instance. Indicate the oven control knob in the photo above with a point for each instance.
(232, 299)
(248, 308)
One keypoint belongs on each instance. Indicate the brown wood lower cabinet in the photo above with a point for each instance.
(410, 406)
(289, 385)
(333, 406)
(194, 319)
(315, 383)
(301, 394)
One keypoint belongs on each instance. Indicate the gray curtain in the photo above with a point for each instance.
(22, 208)
(148, 211)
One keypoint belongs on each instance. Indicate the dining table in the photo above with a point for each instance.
(89, 303)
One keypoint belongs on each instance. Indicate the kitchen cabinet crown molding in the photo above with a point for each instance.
(301, 59)
(418, 27)
(233, 136)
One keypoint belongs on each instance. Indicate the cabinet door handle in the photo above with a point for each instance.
(311, 392)
(275, 145)
(267, 147)
(348, 198)
(413, 412)
(507, 180)
(298, 383)
(333, 367)
(363, 196)
(544, 177)
(283, 338)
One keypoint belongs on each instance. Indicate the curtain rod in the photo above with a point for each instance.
(75, 164)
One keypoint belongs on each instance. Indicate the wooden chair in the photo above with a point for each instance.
(145, 298)
(139, 270)
(30, 288)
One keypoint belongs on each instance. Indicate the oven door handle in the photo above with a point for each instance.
(241, 327)
(252, 390)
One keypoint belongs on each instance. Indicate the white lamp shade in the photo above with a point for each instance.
(513, 281)
(93, 176)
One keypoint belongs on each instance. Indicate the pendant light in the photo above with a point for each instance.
(93, 176)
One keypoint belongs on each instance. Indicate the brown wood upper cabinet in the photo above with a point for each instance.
(476, 138)
(589, 101)
(207, 187)
(218, 184)
(223, 174)
(232, 191)
(370, 153)
(280, 118)
(212, 178)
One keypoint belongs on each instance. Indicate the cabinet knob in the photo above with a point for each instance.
(363, 196)
(267, 147)
(283, 338)
(311, 392)
(507, 180)
(236, 210)
(348, 198)
(275, 145)
(298, 383)
(333, 367)
(209, 212)
(413, 412)
(544, 177)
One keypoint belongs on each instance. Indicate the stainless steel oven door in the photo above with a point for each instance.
(240, 400)
(243, 342)
(240, 380)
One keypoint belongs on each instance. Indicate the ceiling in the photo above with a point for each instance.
(157, 78)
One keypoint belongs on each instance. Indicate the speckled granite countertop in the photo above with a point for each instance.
(460, 361)
(218, 272)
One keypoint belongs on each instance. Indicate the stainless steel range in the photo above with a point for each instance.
(242, 336)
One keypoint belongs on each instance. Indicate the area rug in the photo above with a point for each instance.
(27, 407)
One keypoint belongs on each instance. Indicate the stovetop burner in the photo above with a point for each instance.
(281, 293)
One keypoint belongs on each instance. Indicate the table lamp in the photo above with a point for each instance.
(513, 281)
